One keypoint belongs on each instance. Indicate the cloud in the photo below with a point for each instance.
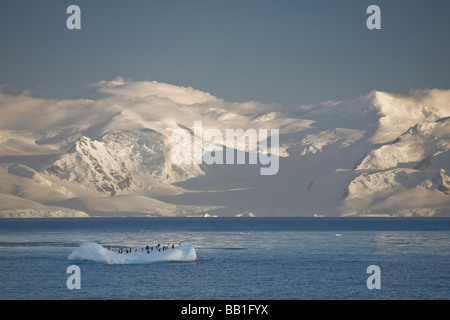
(24, 112)
(145, 89)
(164, 107)
(131, 105)
(433, 97)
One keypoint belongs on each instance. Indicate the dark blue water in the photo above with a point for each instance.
(237, 258)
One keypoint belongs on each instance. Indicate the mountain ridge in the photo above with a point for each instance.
(361, 157)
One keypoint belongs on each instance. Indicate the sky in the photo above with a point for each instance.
(285, 52)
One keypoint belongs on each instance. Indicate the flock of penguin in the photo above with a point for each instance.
(147, 249)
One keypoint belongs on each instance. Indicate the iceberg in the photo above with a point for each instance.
(91, 251)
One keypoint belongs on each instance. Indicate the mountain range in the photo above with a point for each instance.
(380, 154)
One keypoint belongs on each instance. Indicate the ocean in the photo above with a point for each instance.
(237, 259)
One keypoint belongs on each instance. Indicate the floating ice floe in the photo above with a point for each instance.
(91, 251)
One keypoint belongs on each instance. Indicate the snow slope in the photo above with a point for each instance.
(17, 207)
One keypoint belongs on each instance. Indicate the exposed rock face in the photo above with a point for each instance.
(94, 166)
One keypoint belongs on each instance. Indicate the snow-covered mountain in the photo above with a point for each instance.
(406, 174)
(94, 166)
(379, 154)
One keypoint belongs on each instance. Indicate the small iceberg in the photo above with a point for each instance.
(207, 215)
(245, 214)
(91, 251)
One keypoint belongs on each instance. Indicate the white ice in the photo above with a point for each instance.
(92, 251)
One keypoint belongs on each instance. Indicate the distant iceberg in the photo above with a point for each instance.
(91, 251)
(245, 214)
(207, 215)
